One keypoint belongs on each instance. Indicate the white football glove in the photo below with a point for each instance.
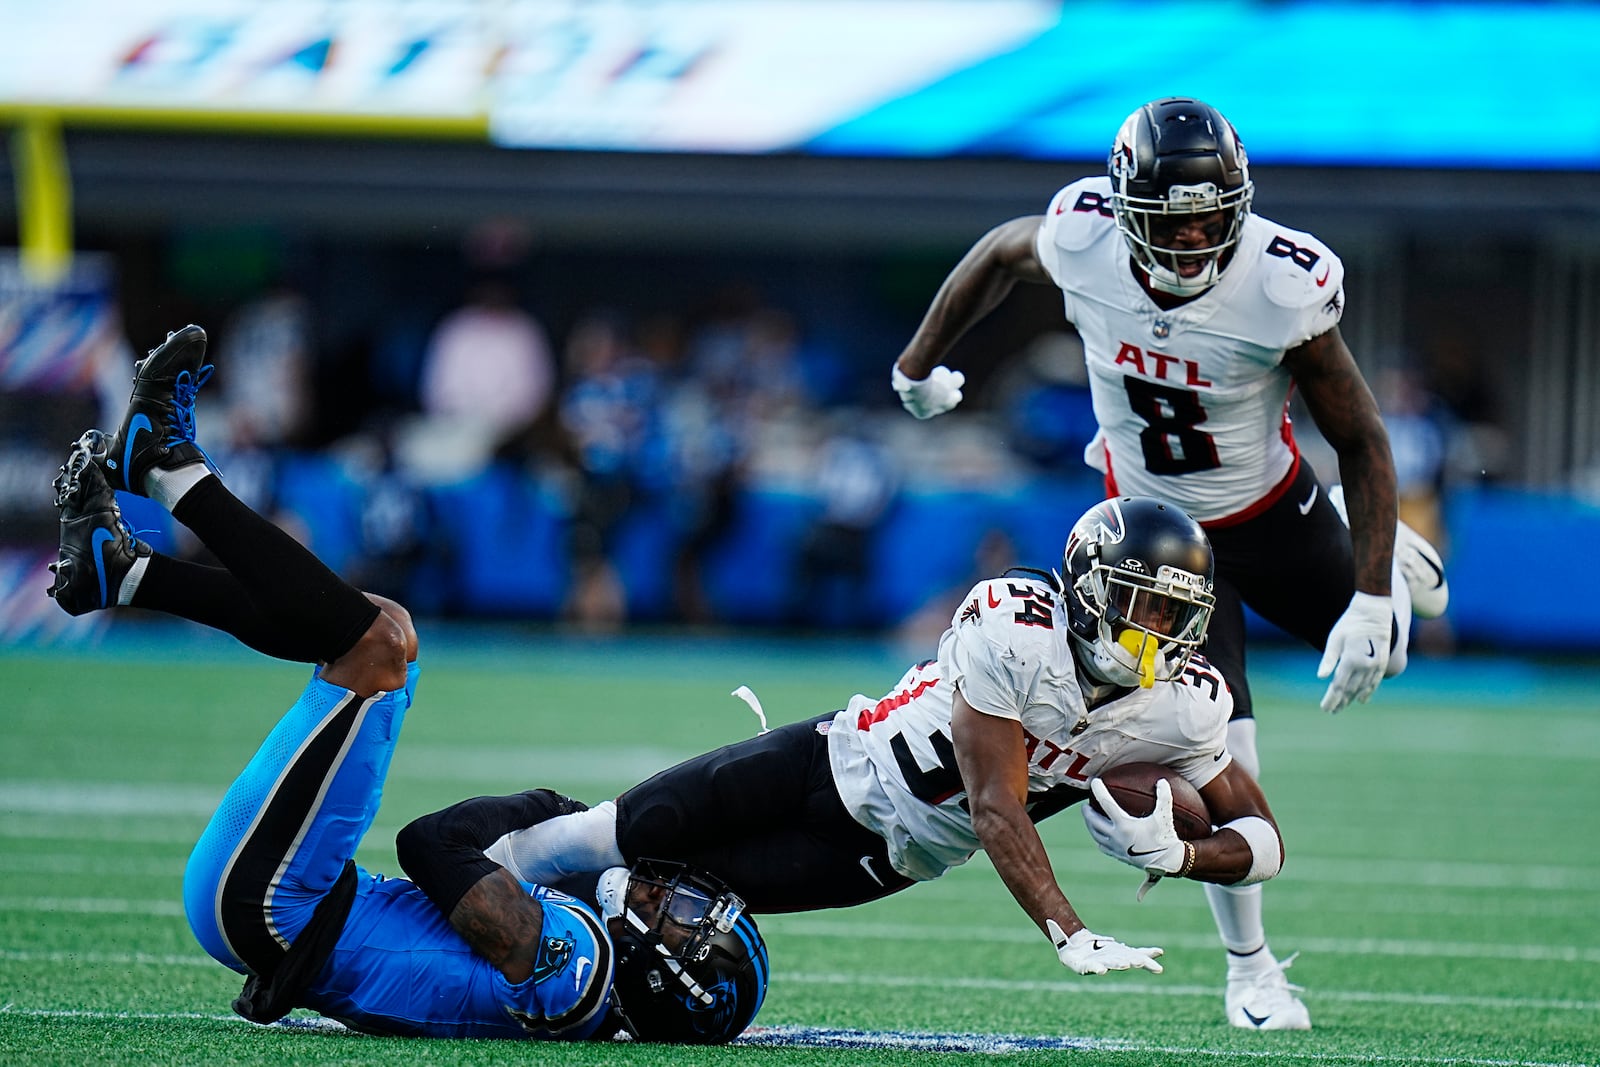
(1358, 651)
(1150, 842)
(1090, 953)
(934, 395)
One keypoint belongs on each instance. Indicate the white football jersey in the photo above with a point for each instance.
(1192, 403)
(1008, 652)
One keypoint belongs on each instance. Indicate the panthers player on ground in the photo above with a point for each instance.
(461, 949)
(1037, 688)
(1197, 318)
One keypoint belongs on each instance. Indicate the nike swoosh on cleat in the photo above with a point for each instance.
(1254, 1021)
(1438, 574)
(101, 536)
(140, 423)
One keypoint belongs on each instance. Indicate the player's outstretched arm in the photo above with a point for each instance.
(994, 766)
(1001, 258)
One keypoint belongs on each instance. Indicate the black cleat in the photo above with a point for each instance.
(97, 547)
(158, 429)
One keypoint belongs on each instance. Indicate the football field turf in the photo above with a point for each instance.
(1442, 884)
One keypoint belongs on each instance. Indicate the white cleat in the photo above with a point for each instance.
(1267, 1001)
(1423, 571)
(1419, 562)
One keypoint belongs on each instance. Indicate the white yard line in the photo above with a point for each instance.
(888, 1041)
(1113, 988)
(1358, 946)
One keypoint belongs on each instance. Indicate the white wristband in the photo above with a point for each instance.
(1266, 850)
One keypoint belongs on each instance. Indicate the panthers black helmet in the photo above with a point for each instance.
(1172, 158)
(706, 989)
(1138, 575)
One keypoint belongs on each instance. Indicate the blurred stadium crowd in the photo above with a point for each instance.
(489, 431)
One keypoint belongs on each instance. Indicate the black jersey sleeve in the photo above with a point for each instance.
(443, 853)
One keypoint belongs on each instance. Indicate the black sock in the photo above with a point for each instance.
(293, 589)
(213, 597)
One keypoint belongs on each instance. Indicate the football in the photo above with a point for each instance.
(1133, 787)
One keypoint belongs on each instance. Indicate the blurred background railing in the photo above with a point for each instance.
(584, 311)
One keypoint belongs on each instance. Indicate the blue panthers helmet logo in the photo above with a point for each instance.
(715, 1018)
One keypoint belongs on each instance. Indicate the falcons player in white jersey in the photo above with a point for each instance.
(1040, 684)
(1198, 318)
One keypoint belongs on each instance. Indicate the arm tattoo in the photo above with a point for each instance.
(502, 923)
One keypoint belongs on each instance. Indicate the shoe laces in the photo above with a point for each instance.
(1280, 980)
(185, 388)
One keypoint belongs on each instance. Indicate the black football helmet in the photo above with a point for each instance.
(1138, 575)
(707, 989)
(1172, 158)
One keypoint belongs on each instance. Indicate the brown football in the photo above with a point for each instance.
(1133, 787)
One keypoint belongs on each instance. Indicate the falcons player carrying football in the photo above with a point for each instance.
(1039, 685)
(1197, 319)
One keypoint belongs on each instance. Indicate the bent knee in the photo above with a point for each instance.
(377, 662)
(402, 619)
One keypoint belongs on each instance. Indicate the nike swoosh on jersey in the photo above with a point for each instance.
(1326, 271)
(583, 961)
(1305, 509)
(140, 423)
(101, 536)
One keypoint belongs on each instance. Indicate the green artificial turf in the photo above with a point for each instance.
(1441, 881)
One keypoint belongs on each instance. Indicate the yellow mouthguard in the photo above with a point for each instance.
(1143, 646)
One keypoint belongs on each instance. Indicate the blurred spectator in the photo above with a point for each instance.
(1458, 376)
(607, 413)
(748, 355)
(856, 483)
(487, 372)
(1042, 392)
(266, 352)
(995, 553)
(1419, 432)
(698, 466)
(396, 526)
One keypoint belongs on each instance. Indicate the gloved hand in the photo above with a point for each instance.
(1089, 953)
(1150, 842)
(1358, 651)
(934, 395)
